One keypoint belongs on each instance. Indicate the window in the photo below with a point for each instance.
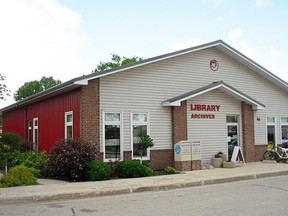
(35, 134)
(139, 126)
(284, 130)
(271, 130)
(69, 125)
(112, 136)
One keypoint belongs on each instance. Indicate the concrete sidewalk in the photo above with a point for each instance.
(48, 190)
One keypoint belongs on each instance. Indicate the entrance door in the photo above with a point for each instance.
(232, 133)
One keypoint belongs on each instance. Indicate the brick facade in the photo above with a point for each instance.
(183, 165)
(259, 151)
(248, 132)
(179, 132)
(159, 159)
(90, 114)
(179, 123)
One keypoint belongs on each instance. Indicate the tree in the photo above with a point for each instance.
(145, 142)
(3, 88)
(116, 61)
(33, 87)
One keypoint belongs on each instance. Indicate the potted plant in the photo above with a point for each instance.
(222, 155)
(216, 161)
(228, 164)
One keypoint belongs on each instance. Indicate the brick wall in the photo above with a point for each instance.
(127, 155)
(183, 165)
(248, 132)
(179, 123)
(89, 114)
(159, 159)
(259, 151)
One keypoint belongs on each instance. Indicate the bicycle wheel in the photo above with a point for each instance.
(269, 155)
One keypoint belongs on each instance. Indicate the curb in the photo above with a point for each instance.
(89, 194)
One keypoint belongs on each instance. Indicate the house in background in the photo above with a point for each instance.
(209, 93)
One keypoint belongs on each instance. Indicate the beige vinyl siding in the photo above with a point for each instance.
(212, 132)
(145, 87)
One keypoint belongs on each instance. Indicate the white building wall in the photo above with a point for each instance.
(213, 132)
(144, 88)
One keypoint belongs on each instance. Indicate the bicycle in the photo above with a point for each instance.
(273, 154)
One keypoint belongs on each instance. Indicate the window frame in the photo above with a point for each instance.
(68, 124)
(29, 132)
(275, 128)
(283, 124)
(147, 123)
(104, 123)
(35, 127)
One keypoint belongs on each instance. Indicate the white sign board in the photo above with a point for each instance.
(196, 149)
(237, 153)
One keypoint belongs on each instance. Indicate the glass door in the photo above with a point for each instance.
(232, 133)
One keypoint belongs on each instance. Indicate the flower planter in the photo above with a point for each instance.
(228, 164)
(216, 162)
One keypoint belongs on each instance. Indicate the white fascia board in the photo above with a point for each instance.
(81, 82)
(237, 95)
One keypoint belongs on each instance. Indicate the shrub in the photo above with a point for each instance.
(133, 169)
(68, 158)
(97, 171)
(20, 175)
(36, 159)
(13, 140)
(169, 170)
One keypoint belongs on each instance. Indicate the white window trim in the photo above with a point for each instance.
(29, 138)
(121, 135)
(275, 128)
(131, 132)
(68, 123)
(282, 124)
(35, 147)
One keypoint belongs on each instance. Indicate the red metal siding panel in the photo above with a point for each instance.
(14, 122)
(51, 118)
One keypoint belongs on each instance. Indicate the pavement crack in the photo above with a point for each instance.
(72, 209)
(270, 186)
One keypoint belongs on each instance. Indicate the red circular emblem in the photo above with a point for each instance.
(214, 65)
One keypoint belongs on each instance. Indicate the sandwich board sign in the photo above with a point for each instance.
(237, 153)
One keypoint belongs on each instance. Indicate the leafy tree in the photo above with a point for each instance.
(33, 87)
(145, 142)
(3, 88)
(116, 61)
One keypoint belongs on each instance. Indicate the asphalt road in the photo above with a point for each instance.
(267, 196)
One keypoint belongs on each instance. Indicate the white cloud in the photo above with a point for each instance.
(274, 53)
(235, 34)
(263, 3)
(187, 44)
(39, 38)
(237, 41)
(248, 50)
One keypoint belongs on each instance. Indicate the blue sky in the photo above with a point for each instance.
(68, 38)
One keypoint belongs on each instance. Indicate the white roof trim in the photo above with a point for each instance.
(176, 101)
